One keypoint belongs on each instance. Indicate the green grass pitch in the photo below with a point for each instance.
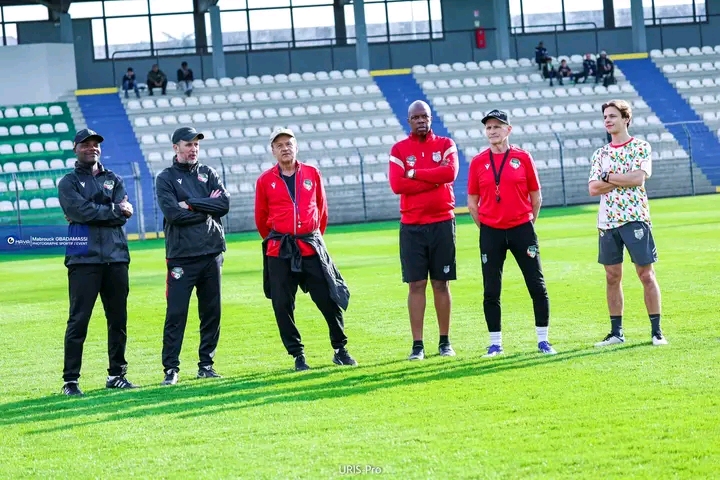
(633, 411)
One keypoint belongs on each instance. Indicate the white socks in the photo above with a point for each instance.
(542, 334)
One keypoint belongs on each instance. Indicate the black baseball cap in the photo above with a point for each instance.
(86, 134)
(498, 115)
(187, 134)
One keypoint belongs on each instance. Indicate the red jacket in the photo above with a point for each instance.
(275, 209)
(518, 178)
(429, 196)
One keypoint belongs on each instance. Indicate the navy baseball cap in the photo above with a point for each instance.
(497, 115)
(86, 134)
(187, 134)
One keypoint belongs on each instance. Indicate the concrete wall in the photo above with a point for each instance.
(48, 71)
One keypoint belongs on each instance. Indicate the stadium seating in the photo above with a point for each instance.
(560, 125)
(695, 73)
(338, 117)
(342, 118)
(35, 152)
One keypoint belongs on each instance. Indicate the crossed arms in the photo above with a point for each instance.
(635, 178)
(77, 209)
(192, 210)
(423, 180)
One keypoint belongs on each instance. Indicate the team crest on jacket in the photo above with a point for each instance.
(410, 161)
(109, 184)
(176, 273)
(437, 156)
(307, 183)
(203, 177)
(515, 163)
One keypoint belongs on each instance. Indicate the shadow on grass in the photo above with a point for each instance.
(199, 398)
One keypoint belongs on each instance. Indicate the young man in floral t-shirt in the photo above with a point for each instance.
(617, 175)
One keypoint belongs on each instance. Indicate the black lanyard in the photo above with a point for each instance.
(497, 173)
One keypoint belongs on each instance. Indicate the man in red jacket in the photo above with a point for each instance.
(291, 215)
(423, 168)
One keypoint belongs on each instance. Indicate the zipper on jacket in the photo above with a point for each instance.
(293, 200)
(101, 230)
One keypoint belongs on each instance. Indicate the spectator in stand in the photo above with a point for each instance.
(589, 69)
(605, 70)
(564, 71)
(549, 72)
(156, 79)
(185, 78)
(129, 82)
(540, 55)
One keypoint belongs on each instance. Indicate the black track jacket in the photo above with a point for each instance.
(90, 204)
(198, 231)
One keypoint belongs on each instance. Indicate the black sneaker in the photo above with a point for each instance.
(446, 350)
(119, 382)
(208, 372)
(342, 357)
(301, 364)
(72, 389)
(418, 353)
(171, 377)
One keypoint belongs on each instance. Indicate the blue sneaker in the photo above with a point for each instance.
(546, 348)
(494, 350)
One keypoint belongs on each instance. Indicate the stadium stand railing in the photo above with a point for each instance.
(35, 153)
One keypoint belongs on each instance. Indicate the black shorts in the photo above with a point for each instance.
(428, 249)
(635, 236)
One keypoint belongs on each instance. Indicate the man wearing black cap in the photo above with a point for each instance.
(193, 200)
(96, 205)
(504, 201)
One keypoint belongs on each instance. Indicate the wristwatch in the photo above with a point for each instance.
(411, 173)
(605, 177)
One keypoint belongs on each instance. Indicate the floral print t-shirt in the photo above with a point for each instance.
(624, 204)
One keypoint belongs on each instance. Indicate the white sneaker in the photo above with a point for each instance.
(611, 339)
(659, 339)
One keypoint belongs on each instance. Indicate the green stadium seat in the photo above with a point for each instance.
(35, 153)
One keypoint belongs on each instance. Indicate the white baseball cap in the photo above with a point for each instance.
(280, 131)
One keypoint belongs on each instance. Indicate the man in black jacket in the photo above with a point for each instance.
(193, 200)
(589, 68)
(96, 205)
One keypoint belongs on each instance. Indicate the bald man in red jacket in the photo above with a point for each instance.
(422, 170)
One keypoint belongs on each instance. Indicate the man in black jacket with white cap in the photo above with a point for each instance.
(193, 200)
(96, 206)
